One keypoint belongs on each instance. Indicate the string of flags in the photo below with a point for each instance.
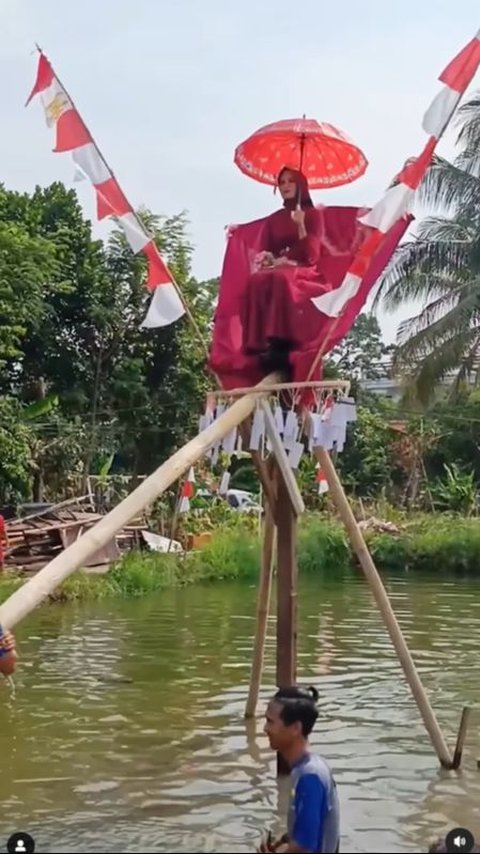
(321, 480)
(398, 201)
(72, 135)
(187, 492)
(325, 427)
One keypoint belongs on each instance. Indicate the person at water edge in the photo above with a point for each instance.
(8, 653)
(314, 813)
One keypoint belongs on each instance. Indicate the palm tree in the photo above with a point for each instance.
(440, 267)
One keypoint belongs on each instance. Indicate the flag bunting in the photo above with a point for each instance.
(187, 493)
(72, 135)
(397, 203)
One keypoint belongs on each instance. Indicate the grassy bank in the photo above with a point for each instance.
(427, 544)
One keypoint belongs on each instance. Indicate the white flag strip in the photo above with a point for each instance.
(333, 302)
(165, 307)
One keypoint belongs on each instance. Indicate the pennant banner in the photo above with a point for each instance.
(396, 206)
(72, 135)
(188, 491)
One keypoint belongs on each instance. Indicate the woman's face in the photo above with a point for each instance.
(287, 185)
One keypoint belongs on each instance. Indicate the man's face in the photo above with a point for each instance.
(279, 734)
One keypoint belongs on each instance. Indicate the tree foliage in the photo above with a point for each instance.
(362, 353)
(71, 308)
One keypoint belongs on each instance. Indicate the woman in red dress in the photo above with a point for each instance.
(286, 271)
(273, 269)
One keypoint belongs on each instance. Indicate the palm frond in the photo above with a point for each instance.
(448, 187)
(420, 269)
(426, 317)
(468, 119)
(440, 228)
(416, 341)
(442, 361)
(468, 366)
(469, 160)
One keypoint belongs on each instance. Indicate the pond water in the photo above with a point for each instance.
(126, 729)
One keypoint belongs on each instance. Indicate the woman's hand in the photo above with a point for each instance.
(267, 260)
(298, 217)
(284, 262)
(264, 259)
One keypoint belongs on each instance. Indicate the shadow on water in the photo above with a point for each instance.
(127, 726)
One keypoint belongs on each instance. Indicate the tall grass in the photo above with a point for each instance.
(425, 544)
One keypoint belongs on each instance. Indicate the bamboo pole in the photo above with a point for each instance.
(287, 579)
(263, 607)
(462, 734)
(294, 498)
(261, 467)
(385, 608)
(287, 575)
(34, 591)
(323, 385)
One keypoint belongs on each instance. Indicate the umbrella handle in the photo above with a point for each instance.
(302, 151)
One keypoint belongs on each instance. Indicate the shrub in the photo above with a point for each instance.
(423, 546)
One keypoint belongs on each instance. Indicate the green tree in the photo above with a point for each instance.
(71, 309)
(27, 265)
(366, 461)
(155, 380)
(440, 267)
(459, 441)
(361, 354)
(16, 462)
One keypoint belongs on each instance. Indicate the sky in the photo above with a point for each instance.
(168, 88)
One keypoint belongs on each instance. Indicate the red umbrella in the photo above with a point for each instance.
(325, 155)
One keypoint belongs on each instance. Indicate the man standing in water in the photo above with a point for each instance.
(314, 815)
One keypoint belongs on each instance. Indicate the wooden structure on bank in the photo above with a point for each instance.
(36, 539)
(283, 506)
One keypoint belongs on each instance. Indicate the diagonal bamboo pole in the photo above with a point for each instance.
(388, 616)
(462, 734)
(263, 606)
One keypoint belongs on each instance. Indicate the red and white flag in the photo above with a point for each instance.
(396, 206)
(71, 134)
(188, 491)
(321, 480)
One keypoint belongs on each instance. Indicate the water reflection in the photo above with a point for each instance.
(127, 727)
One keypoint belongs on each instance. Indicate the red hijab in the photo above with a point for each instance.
(302, 195)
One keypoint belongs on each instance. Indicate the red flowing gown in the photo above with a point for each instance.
(272, 301)
(255, 307)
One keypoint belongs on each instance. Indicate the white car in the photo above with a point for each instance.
(240, 499)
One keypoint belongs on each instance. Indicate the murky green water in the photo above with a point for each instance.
(127, 733)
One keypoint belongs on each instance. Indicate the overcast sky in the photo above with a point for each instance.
(169, 87)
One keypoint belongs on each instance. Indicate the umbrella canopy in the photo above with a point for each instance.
(325, 155)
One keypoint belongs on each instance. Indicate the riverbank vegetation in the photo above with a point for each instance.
(417, 544)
